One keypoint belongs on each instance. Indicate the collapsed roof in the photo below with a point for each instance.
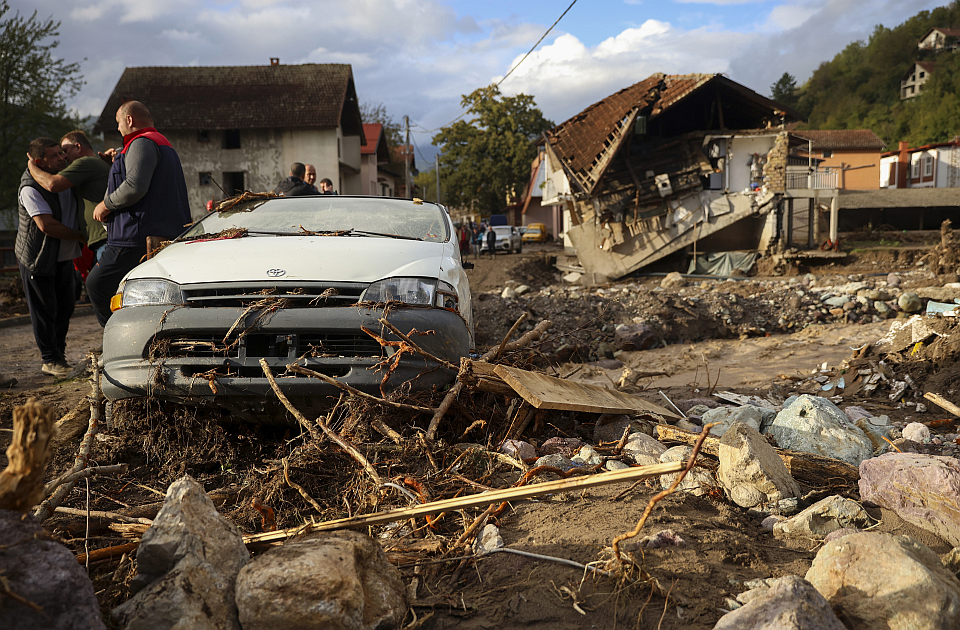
(659, 107)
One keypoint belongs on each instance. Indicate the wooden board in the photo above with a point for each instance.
(549, 392)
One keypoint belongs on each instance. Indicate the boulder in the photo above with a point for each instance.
(673, 280)
(46, 573)
(586, 456)
(893, 280)
(747, 462)
(565, 446)
(923, 490)
(697, 482)
(188, 561)
(633, 337)
(823, 517)
(815, 425)
(609, 427)
(572, 278)
(334, 580)
(876, 580)
(875, 428)
(728, 416)
(916, 432)
(909, 302)
(508, 293)
(643, 444)
(791, 603)
(518, 449)
(556, 460)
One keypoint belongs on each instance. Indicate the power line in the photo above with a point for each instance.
(517, 65)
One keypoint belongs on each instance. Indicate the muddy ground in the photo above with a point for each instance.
(749, 336)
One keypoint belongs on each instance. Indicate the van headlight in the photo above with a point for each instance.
(146, 292)
(417, 291)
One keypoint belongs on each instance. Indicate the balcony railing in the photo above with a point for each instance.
(818, 180)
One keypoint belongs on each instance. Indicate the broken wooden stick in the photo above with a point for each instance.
(82, 474)
(943, 403)
(509, 334)
(475, 500)
(44, 510)
(110, 516)
(656, 498)
(21, 483)
(298, 487)
(286, 402)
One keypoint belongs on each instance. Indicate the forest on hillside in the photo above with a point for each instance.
(860, 87)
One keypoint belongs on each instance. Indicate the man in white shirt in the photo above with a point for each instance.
(47, 242)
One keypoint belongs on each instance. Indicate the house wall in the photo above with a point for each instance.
(860, 169)
(311, 146)
(368, 175)
(739, 154)
(948, 167)
(888, 171)
(923, 169)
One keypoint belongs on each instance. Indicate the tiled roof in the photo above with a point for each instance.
(371, 132)
(677, 86)
(949, 32)
(842, 139)
(581, 138)
(240, 97)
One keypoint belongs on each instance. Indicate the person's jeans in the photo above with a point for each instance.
(51, 300)
(115, 262)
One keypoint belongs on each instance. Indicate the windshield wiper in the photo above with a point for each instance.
(400, 236)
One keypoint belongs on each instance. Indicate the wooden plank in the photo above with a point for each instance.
(548, 392)
(806, 467)
(943, 403)
(475, 500)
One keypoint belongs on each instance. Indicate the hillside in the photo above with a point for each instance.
(860, 87)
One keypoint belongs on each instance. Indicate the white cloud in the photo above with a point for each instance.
(788, 16)
(90, 13)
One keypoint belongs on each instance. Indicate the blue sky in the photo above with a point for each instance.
(418, 57)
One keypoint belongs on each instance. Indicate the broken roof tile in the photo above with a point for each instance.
(842, 138)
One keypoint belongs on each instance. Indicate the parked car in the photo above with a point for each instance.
(508, 239)
(291, 280)
(536, 233)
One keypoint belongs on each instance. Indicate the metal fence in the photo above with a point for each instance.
(818, 180)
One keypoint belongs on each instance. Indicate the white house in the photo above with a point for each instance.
(939, 39)
(929, 166)
(240, 128)
(911, 83)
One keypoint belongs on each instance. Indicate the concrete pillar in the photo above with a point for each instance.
(834, 218)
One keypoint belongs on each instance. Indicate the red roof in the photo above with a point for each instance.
(842, 139)
(371, 132)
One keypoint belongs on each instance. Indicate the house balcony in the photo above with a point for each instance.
(817, 180)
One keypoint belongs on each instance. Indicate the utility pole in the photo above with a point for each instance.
(406, 157)
(437, 167)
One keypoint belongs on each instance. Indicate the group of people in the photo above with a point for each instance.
(92, 212)
(300, 182)
(472, 235)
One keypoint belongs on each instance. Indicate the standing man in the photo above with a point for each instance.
(491, 242)
(47, 242)
(326, 187)
(88, 173)
(311, 177)
(293, 185)
(146, 196)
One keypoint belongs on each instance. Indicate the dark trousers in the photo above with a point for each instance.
(51, 300)
(115, 262)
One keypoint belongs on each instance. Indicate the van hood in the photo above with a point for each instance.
(312, 258)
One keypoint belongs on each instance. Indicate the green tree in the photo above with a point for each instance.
(486, 158)
(34, 86)
(377, 113)
(784, 91)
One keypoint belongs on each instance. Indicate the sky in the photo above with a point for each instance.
(418, 57)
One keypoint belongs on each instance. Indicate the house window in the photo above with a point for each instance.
(205, 179)
(828, 153)
(233, 183)
(231, 139)
(203, 136)
(927, 165)
(922, 74)
(915, 170)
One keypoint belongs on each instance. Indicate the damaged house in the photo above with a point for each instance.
(680, 161)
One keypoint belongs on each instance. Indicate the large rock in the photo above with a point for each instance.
(46, 573)
(726, 417)
(188, 561)
(697, 482)
(332, 580)
(815, 425)
(876, 580)
(673, 280)
(922, 489)
(791, 603)
(823, 517)
(747, 462)
(642, 444)
(633, 337)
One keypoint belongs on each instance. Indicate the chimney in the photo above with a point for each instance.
(274, 61)
(903, 164)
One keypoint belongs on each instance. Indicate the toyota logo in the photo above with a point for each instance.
(276, 273)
